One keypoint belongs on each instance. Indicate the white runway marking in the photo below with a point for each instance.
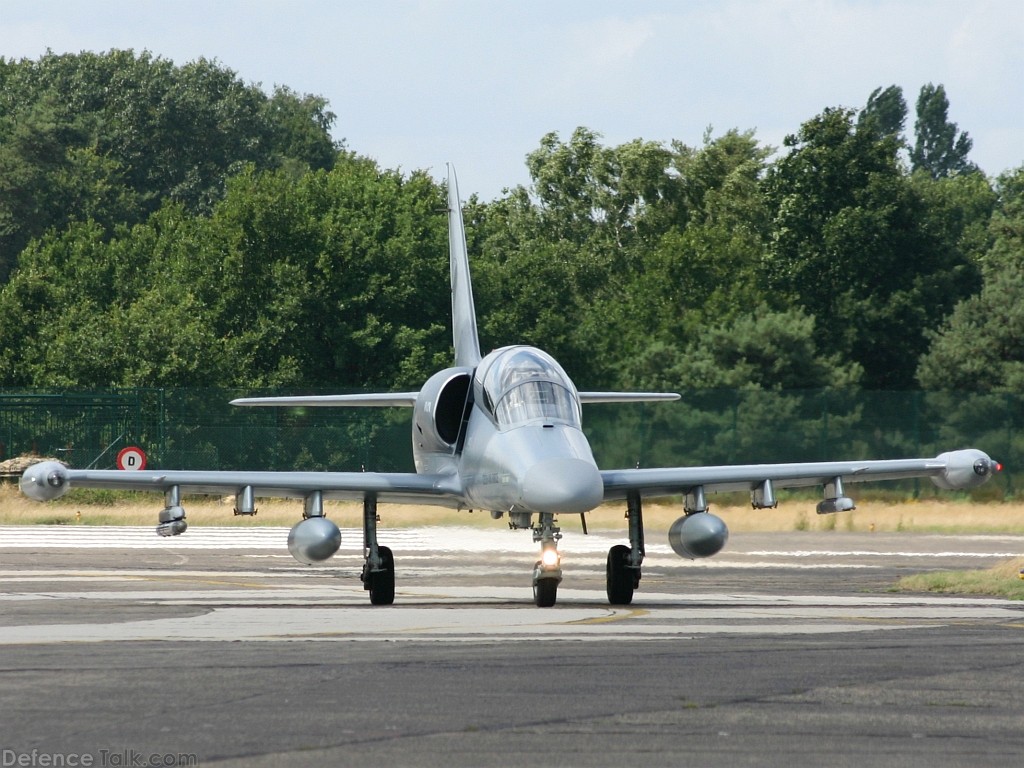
(140, 537)
(872, 553)
(417, 617)
(454, 585)
(578, 550)
(277, 607)
(442, 539)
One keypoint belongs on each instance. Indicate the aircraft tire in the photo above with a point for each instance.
(620, 579)
(545, 592)
(382, 582)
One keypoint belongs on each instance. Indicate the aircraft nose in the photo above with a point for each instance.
(562, 485)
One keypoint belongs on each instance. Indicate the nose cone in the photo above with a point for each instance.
(562, 485)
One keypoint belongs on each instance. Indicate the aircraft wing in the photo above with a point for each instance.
(627, 397)
(953, 470)
(371, 400)
(41, 482)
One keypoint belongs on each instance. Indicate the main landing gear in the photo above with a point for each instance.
(622, 575)
(378, 574)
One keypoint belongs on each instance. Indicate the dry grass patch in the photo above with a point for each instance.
(89, 507)
(798, 514)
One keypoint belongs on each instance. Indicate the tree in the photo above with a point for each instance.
(886, 111)
(939, 150)
(981, 346)
(113, 136)
(852, 245)
(33, 158)
(554, 259)
(764, 349)
(300, 130)
(84, 310)
(336, 280)
(632, 245)
(602, 196)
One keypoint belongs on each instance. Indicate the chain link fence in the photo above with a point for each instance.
(198, 429)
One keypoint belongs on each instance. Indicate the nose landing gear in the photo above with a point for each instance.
(547, 573)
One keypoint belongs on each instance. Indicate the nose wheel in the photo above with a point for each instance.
(547, 573)
(545, 591)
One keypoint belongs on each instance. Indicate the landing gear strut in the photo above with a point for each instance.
(379, 564)
(547, 573)
(622, 576)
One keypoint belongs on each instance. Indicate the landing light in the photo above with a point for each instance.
(549, 558)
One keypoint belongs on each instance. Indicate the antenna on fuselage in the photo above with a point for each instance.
(465, 338)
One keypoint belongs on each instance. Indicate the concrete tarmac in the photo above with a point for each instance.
(119, 648)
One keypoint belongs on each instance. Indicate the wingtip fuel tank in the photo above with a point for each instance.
(45, 481)
(967, 468)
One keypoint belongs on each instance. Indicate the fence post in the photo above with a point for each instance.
(823, 448)
(916, 427)
(161, 423)
(1008, 399)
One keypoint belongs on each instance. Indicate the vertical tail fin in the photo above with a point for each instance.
(464, 332)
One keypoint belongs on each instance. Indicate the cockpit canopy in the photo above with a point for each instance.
(520, 384)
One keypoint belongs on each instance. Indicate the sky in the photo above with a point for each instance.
(416, 84)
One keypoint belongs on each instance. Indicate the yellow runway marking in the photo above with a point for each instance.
(635, 613)
(213, 582)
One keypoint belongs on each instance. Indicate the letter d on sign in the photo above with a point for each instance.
(131, 458)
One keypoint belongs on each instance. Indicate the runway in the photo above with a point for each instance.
(784, 648)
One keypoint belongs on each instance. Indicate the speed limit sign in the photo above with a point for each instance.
(131, 458)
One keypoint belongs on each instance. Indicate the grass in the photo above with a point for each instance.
(1002, 580)
(796, 513)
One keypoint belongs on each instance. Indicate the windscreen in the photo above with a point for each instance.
(521, 384)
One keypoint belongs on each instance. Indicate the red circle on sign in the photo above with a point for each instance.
(131, 458)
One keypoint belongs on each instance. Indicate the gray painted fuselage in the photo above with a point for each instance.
(510, 431)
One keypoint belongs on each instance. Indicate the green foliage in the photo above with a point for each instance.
(856, 244)
(174, 226)
(112, 137)
(939, 150)
(615, 248)
(772, 350)
(980, 347)
(886, 110)
(338, 279)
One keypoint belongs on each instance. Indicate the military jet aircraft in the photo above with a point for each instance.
(502, 432)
